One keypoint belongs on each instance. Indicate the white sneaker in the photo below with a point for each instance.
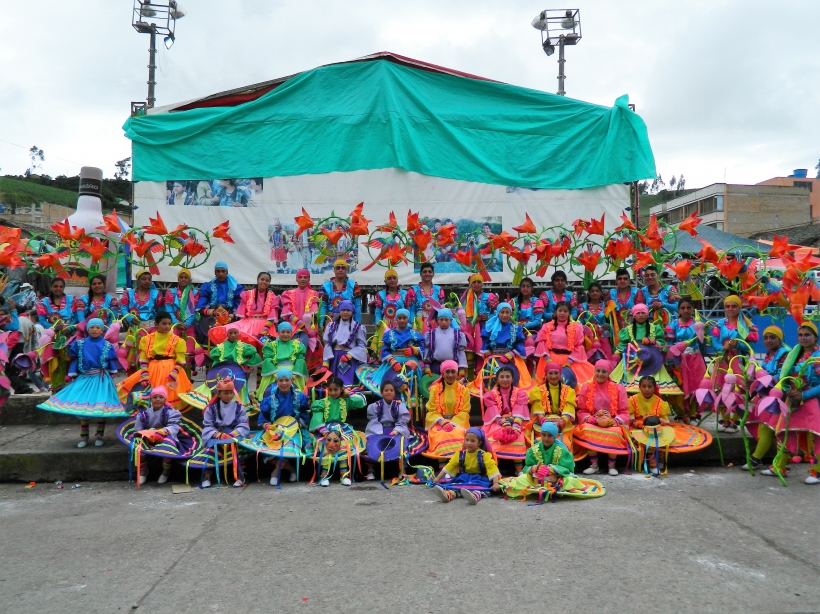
(469, 496)
(812, 480)
(370, 476)
(83, 443)
(653, 471)
(770, 472)
(274, 481)
(442, 494)
(99, 442)
(238, 484)
(755, 465)
(592, 470)
(721, 428)
(292, 477)
(162, 479)
(205, 484)
(732, 429)
(346, 482)
(613, 471)
(143, 479)
(325, 482)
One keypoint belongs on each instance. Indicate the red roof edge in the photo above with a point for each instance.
(236, 97)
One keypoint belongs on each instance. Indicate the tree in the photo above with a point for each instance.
(681, 183)
(35, 153)
(672, 183)
(818, 169)
(123, 168)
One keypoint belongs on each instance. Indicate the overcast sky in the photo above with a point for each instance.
(726, 87)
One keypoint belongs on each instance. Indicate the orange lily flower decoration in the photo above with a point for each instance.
(690, 223)
(221, 232)
(303, 222)
(526, 227)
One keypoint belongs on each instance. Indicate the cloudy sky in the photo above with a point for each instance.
(726, 87)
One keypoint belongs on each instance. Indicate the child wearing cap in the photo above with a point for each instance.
(401, 350)
(448, 413)
(282, 352)
(91, 393)
(224, 418)
(444, 342)
(157, 423)
(345, 344)
(283, 403)
(472, 473)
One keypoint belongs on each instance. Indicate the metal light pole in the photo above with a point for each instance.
(561, 26)
(154, 17)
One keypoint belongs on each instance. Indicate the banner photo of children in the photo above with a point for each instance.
(471, 237)
(216, 193)
(312, 250)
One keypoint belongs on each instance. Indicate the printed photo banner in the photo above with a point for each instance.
(263, 211)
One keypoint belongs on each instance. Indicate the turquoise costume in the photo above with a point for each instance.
(331, 299)
(550, 299)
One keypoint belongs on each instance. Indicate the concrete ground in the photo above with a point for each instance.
(716, 540)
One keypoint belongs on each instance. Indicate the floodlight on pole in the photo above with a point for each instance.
(561, 27)
(155, 17)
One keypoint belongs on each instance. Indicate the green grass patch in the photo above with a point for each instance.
(24, 193)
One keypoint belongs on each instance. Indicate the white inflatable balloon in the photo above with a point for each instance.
(89, 216)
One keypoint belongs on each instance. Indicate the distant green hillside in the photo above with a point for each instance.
(24, 193)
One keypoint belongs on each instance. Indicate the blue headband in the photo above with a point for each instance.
(445, 313)
(284, 326)
(478, 432)
(280, 373)
(220, 265)
(403, 312)
(549, 427)
(96, 322)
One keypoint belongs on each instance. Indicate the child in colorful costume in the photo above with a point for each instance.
(284, 417)
(338, 290)
(731, 337)
(503, 344)
(158, 425)
(92, 393)
(472, 473)
(444, 342)
(603, 417)
(96, 304)
(161, 358)
(345, 344)
(424, 299)
(478, 307)
(386, 304)
(653, 429)
(448, 413)
(553, 401)
(558, 294)
(639, 352)
(224, 419)
(401, 350)
(300, 307)
(562, 341)
(285, 352)
(549, 471)
(329, 419)
(506, 411)
(387, 419)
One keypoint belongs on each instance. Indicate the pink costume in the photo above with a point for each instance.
(553, 344)
(507, 440)
(612, 398)
(299, 307)
(257, 312)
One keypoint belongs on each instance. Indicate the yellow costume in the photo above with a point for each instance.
(471, 464)
(447, 400)
(640, 408)
(162, 356)
(559, 404)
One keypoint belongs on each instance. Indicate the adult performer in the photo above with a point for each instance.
(337, 289)
(424, 298)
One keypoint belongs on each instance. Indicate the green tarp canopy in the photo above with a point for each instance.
(381, 113)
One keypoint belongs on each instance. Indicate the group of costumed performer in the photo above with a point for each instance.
(502, 344)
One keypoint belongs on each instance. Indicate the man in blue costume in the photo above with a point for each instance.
(337, 289)
(223, 291)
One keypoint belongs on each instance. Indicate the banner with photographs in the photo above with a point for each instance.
(263, 212)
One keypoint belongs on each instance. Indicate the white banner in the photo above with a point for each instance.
(262, 211)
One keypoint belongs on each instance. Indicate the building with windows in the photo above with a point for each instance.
(800, 179)
(742, 210)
